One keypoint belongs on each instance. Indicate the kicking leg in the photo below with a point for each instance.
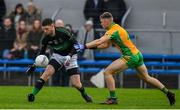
(49, 71)
(40, 82)
(75, 80)
(143, 74)
(116, 66)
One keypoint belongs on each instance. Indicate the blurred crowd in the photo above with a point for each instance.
(20, 30)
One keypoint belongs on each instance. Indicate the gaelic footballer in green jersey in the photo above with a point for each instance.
(64, 55)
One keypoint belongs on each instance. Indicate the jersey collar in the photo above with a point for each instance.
(110, 26)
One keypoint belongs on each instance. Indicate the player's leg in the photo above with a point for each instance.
(73, 72)
(143, 74)
(49, 71)
(76, 82)
(116, 66)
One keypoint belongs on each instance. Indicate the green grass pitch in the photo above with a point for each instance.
(58, 97)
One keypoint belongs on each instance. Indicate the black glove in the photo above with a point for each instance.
(31, 69)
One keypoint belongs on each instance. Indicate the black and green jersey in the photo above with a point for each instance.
(62, 43)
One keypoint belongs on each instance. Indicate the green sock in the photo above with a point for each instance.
(35, 91)
(82, 90)
(165, 90)
(112, 94)
(38, 86)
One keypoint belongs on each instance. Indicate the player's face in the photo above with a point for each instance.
(105, 23)
(48, 30)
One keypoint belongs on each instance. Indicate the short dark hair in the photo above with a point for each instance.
(47, 22)
(106, 15)
(7, 17)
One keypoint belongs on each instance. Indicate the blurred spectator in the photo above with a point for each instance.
(7, 35)
(2, 10)
(117, 8)
(32, 13)
(18, 13)
(60, 78)
(69, 27)
(34, 38)
(20, 44)
(92, 10)
(59, 23)
(86, 34)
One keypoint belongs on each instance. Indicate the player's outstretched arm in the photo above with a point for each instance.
(104, 45)
(103, 42)
(97, 42)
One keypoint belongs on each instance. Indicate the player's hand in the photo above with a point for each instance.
(79, 47)
(30, 69)
(67, 61)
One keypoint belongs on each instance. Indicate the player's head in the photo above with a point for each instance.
(48, 26)
(106, 19)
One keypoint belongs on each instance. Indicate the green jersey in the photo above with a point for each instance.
(61, 43)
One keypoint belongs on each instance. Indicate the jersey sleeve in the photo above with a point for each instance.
(72, 40)
(69, 36)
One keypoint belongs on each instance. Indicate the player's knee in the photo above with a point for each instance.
(147, 78)
(76, 84)
(107, 75)
(108, 72)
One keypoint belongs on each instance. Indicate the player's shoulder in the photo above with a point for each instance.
(110, 32)
(113, 29)
(62, 30)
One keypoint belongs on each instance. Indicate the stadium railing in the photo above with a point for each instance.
(158, 64)
(163, 64)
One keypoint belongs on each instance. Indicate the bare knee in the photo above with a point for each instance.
(108, 72)
(147, 78)
(76, 84)
(75, 81)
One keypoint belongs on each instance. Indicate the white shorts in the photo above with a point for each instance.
(61, 59)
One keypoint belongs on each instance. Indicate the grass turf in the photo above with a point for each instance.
(58, 97)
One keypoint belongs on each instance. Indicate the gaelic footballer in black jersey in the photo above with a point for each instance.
(64, 54)
(62, 45)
